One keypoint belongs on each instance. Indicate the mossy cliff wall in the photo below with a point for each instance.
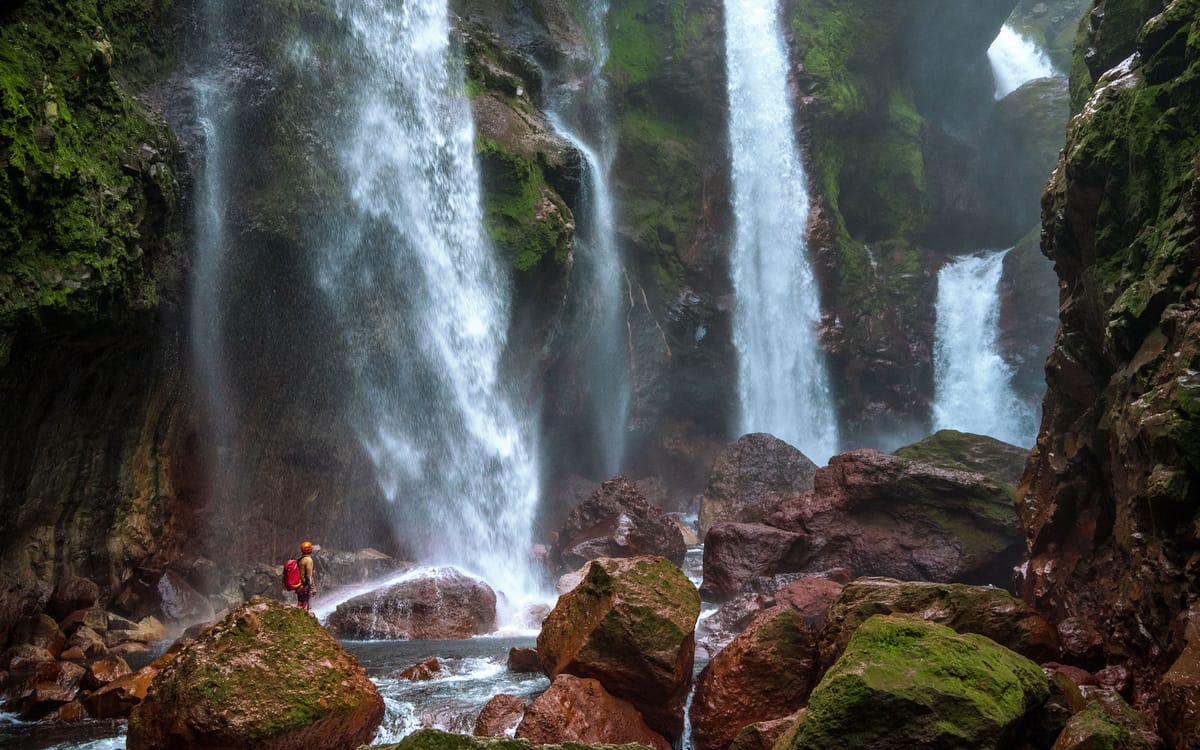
(888, 98)
(91, 254)
(1110, 498)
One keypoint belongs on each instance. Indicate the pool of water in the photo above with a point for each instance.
(472, 672)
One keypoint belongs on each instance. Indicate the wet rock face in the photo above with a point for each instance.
(1108, 498)
(293, 684)
(629, 624)
(748, 475)
(765, 673)
(616, 521)
(875, 513)
(441, 604)
(577, 709)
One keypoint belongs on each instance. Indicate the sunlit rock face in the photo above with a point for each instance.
(1108, 498)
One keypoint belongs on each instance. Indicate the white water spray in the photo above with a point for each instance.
(1016, 61)
(783, 386)
(972, 383)
(423, 301)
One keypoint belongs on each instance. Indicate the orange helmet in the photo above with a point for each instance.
(306, 547)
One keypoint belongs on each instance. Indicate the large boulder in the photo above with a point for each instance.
(118, 698)
(987, 611)
(576, 709)
(750, 474)
(266, 676)
(904, 683)
(500, 716)
(180, 603)
(616, 521)
(72, 593)
(809, 597)
(629, 624)
(433, 739)
(878, 514)
(1108, 722)
(964, 451)
(736, 553)
(765, 673)
(441, 603)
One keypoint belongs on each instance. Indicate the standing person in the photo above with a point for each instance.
(307, 586)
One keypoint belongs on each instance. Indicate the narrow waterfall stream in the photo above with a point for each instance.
(1016, 60)
(423, 301)
(582, 116)
(783, 386)
(972, 382)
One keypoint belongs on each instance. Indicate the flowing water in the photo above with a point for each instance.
(972, 382)
(580, 113)
(783, 385)
(423, 300)
(1016, 60)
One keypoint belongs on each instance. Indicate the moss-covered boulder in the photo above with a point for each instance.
(963, 451)
(904, 683)
(629, 624)
(1108, 722)
(266, 676)
(764, 674)
(433, 739)
(987, 611)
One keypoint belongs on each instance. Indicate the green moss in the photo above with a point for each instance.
(84, 168)
(527, 220)
(908, 683)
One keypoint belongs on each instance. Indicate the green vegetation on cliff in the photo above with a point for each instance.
(85, 182)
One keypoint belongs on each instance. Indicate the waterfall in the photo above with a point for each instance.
(422, 300)
(606, 350)
(783, 387)
(972, 382)
(1016, 60)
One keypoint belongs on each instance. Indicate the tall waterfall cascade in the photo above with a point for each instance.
(783, 385)
(1016, 60)
(596, 250)
(972, 383)
(422, 300)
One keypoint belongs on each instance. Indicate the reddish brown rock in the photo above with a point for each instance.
(714, 632)
(426, 669)
(105, 671)
(765, 673)
(93, 617)
(27, 657)
(88, 641)
(628, 624)
(39, 700)
(117, 699)
(1109, 496)
(751, 474)
(523, 659)
(72, 711)
(1179, 695)
(70, 594)
(735, 553)
(576, 709)
(875, 513)
(266, 676)
(62, 673)
(810, 598)
(984, 610)
(762, 735)
(40, 631)
(500, 716)
(616, 521)
(440, 604)
(74, 653)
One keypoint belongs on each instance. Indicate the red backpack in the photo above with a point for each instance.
(291, 575)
